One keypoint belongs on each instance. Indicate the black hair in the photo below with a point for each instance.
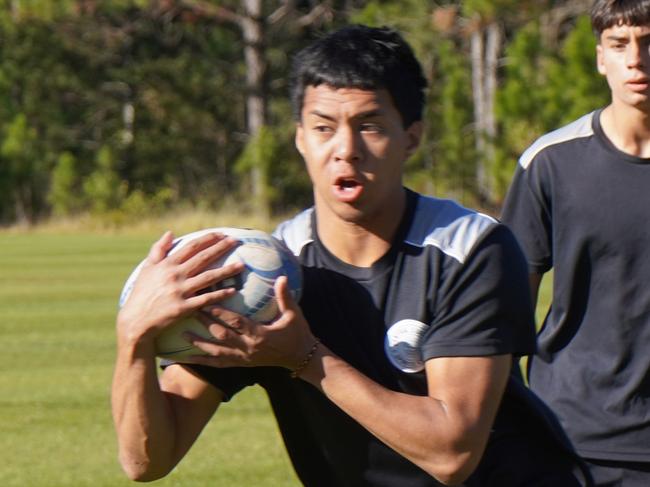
(608, 13)
(368, 58)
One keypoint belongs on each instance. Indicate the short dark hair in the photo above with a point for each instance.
(368, 58)
(608, 13)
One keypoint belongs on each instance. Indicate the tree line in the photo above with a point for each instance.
(133, 107)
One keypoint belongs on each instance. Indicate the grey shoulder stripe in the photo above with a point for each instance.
(575, 130)
(449, 227)
(296, 232)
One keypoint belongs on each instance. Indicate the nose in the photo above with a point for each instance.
(348, 145)
(634, 54)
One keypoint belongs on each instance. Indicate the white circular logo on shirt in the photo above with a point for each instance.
(402, 345)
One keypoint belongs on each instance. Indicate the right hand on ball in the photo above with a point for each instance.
(167, 287)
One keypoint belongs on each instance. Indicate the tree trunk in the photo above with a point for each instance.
(485, 48)
(252, 25)
(552, 20)
(22, 207)
(478, 75)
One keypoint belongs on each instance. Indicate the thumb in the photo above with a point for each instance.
(283, 295)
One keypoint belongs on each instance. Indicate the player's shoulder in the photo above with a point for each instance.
(296, 232)
(577, 130)
(448, 226)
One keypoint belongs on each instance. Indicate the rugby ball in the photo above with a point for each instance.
(265, 258)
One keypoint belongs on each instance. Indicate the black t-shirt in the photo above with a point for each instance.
(582, 207)
(454, 283)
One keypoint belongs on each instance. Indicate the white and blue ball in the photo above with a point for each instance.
(265, 259)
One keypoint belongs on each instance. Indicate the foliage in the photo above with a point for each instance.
(544, 89)
(22, 157)
(574, 85)
(103, 188)
(157, 88)
(64, 192)
(452, 146)
(522, 93)
(445, 162)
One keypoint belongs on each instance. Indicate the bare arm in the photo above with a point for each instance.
(534, 280)
(445, 432)
(158, 420)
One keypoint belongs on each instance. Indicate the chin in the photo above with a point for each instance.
(351, 215)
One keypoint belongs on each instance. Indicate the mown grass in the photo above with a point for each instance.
(58, 299)
(59, 286)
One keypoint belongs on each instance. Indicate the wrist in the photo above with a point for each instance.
(297, 371)
(131, 337)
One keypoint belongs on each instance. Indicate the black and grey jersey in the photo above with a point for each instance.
(454, 283)
(580, 206)
(449, 286)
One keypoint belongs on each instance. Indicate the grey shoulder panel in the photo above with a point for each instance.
(296, 232)
(449, 227)
(575, 130)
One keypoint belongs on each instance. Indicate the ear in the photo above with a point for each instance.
(600, 64)
(299, 138)
(414, 136)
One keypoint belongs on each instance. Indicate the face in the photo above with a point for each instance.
(623, 56)
(354, 145)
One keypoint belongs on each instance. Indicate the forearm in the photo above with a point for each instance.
(534, 281)
(142, 415)
(158, 418)
(440, 437)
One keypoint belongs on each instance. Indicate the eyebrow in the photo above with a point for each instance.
(362, 116)
(625, 37)
(617, 38)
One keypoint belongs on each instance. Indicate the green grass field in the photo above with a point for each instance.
(58, 300)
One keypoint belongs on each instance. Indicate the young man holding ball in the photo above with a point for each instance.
(394, 369)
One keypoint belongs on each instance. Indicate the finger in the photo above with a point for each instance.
(221, 330)
(208, 256)
(160, 247)
(204, 317)
(194, 246)
(211, 298)
(224, 342)
(209, 348)
(283, 295)
(231, 320)
(212, 279)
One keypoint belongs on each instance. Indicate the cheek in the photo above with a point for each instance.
(380, 148)
(611, 69)
(316, 169)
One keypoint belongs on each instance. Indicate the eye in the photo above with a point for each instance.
(321, 128)
(617, 45)
(371, 127)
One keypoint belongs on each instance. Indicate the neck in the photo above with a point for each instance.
(628, 128)
(363, 241)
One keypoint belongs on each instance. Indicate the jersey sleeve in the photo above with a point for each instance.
(527, 212)
(483, 306)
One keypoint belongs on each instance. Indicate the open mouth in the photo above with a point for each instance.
(347, 189)
(347, 184)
